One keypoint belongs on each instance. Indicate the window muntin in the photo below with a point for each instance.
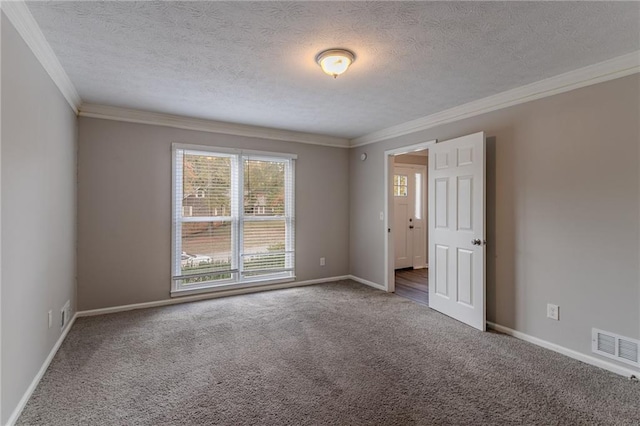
(224, 236)
(400, 185)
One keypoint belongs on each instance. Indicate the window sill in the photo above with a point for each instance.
(228, 287)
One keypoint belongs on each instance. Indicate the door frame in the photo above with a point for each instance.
(389, 248)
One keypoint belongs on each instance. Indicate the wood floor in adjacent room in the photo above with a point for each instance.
(329, 354)
(413, 284)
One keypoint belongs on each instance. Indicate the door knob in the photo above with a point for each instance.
(410, 226)
(476, 242)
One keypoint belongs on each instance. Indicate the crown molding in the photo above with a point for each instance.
(180, 122)
(19, 15)
(597, 73)
(26, 25)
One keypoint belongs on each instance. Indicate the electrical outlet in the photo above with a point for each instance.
(381, 215)
(322, 261)
(553, 311)
(50, 316)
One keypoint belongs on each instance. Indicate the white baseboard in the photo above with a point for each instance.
(205, 296)
(367, 282)
(36, 380)
(587, 359)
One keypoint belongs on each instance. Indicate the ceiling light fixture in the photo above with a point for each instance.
(335, 61)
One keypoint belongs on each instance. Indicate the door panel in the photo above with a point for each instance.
(442, 159)
(441, 270)
(457, 229)
(441, 204)
(465, 277)
(465, 206)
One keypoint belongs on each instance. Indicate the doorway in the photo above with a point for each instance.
(410, 225)
(456, 226)
(410, 160)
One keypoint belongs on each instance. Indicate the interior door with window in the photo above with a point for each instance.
(410, 235)
(403, 202)
(457, 229)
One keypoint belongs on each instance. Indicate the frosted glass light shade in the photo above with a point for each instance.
(335, 61)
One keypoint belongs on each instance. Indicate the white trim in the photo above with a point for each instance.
(176, 229)
(215, 295)
(26, 25)
(231, 285)
(408, 149)
(36, 380)
(389, 256)
(367, 282)
(1, 2)
(198, 149)
(611, 69)
(180, 122)
(587, 359)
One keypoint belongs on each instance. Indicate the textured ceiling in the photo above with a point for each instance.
(253, 62)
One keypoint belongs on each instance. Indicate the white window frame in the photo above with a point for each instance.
(237, 218)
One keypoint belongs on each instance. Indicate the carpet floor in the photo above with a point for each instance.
(338, 353)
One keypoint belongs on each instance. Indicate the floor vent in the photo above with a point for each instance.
(614, 346)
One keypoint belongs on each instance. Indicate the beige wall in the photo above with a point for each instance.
(124, 208)
(411, 159)
(38, 214)
(562, 211)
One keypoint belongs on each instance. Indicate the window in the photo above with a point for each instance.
(418, 203)
(233, 218)
(400, 185)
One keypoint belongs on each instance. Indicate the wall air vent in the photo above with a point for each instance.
(628, 350)
(606, 344)
(614, 346)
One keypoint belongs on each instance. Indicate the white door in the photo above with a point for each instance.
(410, 245)
(457, 229)
(403, 195)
